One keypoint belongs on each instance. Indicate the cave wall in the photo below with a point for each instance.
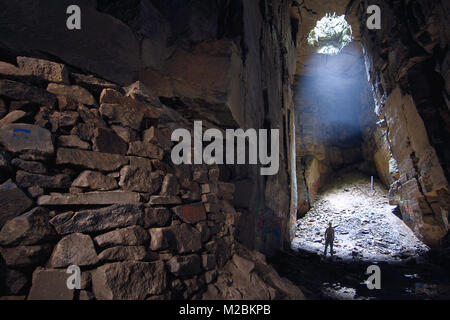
(407, 65)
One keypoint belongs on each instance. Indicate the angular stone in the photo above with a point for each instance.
(123, 253)
(140, 162)
(156, 217)
(165, 200)
(208, 261)
(3, 108)
(66, 103)
(72, 141)
(10, 71)
(88, 198)
(29, 228)
(30, 166)
(84, 130)
(63, 119)
(50, 284)
(76, 93)
(116, 216)
(90, 159)
(139, 179)
(18, 138)
(59, 181)
(154, 136)
(129, 280)
(95, 180)
(160, 238)
(13, 202)
(170, 185)
(24, 256)
(19, 91)
(145, 149)
(190, 213)
(35, 191)
(244, 265)
(185, 265)
(93, 84)
(14, 282)
(47, 70)
(106, 140)
(77, 249)
(138, 91)
(127, 134)
(131, 236)
(11, 117)
(188, 239)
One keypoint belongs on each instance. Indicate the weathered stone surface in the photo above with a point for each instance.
(142, 163)
(154, 136)
(23, 256)
(170, 185)
(76, 93)
(35, 191)
(139, 179)
(128, 280)
(30, 166)
(138, 91)
(123, 253)
(116, 216)
(106, 140)
(127, 134)
(77, 249)
(90, 159)
(59, 181)
(145, 149)
(10, 71)
(63, 119)
(72, 141)
(29, 228)
(185, 265)
(11, 117)
(65, 103)
(160, 238)
(14, 282)
(156, 217)
(50, 71)
(167, 200)
(50, 284)
(95, 180)
(19, 91)
(191, 213)
(28, 138)
(13, 203)
(93, 84)
(187, 238)
(95, 197)
(131, 236)
(208, 261)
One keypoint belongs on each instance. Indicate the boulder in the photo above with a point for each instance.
(185, 265)
(75, 93)
(29, 228)
(91, 159)
(14, 202)
(50, 284)
(139, 179)
(19, 138)
(47, 70)
(95, 220)
(92, 83)
(130, 236)
(19, 91)
(25, 256)
(106, 140)
(90, 198)
(190, 213)
(95, 180)
(129, 280)
(74, 249)
(123, 253)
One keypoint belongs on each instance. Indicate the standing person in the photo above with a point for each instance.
(329, 238)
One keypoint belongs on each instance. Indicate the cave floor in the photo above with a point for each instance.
(366, 229)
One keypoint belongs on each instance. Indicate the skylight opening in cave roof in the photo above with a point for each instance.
(331, 34)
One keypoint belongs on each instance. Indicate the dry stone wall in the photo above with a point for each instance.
(87, 180)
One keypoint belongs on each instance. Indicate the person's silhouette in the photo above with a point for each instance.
(329, 239)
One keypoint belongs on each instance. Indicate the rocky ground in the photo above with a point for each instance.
(366, 229)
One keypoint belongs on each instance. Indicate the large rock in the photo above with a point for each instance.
(74, 249)
(128, 280)
(156, 137)
(95, 180)
(160, 238)
(106, 140)
(188, 239)
(58, 181)
(24, 256)
(123, 253)
(87, 198)
(131, 236)
(50, 284)
(19, 91)
(191, 213)
(139, 179)
(47, 70)
(156, 217)
(91, 159)
(185, 265)
(34, 140)
(29, 228)
(116, 216)
(145, 149)
(14, 202)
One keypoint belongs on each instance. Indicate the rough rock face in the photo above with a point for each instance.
(407, 66)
